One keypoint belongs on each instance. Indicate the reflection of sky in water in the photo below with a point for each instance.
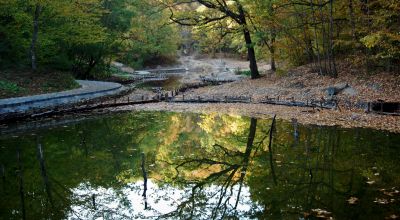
(128, 203)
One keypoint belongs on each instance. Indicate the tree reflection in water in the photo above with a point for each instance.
(198, 167)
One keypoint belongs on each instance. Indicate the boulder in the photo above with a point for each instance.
(350, 91)
(128, 70)
(117, 64)
(336, 89)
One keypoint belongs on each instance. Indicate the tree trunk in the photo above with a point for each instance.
(91, 65)
(38, 9)
(251, 55)
(316, 38)
(352, 20)
(249, 44)
(273, 64)
(332, 52)
(325, 41)
(272, 51)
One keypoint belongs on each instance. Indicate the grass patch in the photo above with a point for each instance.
(24, 83)
(281, 72)
(243, 72)
(9, 87)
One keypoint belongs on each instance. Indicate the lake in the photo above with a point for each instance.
(163, 165)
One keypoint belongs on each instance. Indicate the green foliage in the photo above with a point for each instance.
(243, 72)
(85, 36)
(150, 37)
(9, 87)
(59, 82)
(14, 83)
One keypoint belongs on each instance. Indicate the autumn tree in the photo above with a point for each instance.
(214, 11)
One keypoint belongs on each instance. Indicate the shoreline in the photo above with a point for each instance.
(304, 115)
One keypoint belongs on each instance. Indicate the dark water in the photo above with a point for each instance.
(198, 167)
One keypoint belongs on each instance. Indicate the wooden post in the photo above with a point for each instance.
(128, 99)
(226, 99)
(166, 96)
(250, 99)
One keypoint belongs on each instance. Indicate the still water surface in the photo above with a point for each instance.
(158, 165)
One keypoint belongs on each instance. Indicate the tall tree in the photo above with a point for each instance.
(38, 10)
(233, 10)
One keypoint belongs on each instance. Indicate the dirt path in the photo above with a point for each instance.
(221, 68)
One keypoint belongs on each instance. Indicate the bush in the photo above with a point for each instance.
(243, 72)
(9, 87)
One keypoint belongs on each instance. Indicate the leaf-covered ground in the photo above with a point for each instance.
(301, 84)
(24, 83)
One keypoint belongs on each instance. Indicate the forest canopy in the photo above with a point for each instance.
(83, 35)
(298, 32)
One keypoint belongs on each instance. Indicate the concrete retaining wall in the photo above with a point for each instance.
(89, 90)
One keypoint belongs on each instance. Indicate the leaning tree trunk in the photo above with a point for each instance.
(251, 55)
(249, 44)
(38, 9)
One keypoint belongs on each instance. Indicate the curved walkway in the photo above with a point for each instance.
(89, 90)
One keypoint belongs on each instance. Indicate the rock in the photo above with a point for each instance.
(128, 70)
(375, 86)
(355, 117)
(336, 89)
(116, 64)
(341, 86)
(330, 92)
(350, 91)
(297, 85)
